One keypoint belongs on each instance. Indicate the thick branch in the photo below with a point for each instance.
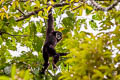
(104, 8)
(26, 0)
(28, 15)
(36, 12)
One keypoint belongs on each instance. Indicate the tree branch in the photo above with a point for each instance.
(77, 7)
(17, 9)
(26, 0)
(60, 5)
(28, 15)
(3, 32)
(20, 11)
(16, 35)
(63, 4)
(36, 12)
(99, 7)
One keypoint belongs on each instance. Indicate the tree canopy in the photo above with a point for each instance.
(90, 28)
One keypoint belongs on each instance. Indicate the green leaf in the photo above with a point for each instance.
(88, 11)
(93, 25)
(96, 17)
(70, 14)
(37, 43)
(13, 72)
(37, 3)
(1, 41)
(63, 8)
(27, 76)
(89, 8)
(81, 11)
(12, 47)
(97, 74)
(4, 78)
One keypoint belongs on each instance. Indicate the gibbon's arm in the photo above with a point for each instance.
(50, 27)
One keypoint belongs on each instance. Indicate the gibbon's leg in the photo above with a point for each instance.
(55, 60)
(63, 54)
(46, 62)
(55, 56)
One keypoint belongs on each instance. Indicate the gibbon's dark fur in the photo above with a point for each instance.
(52, 38)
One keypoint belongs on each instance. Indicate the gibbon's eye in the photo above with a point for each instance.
(59, 35)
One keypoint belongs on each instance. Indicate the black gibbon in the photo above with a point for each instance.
(52, 38)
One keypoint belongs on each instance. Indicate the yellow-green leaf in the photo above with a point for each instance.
(5, 7)
(1, 1)
(71, 1)
(4, 78)
(40, 13)
(64, 8)
(2, 15)
(37, 3)
(16, 3)
(13, 72)
(76, 0)
(89, 8)
(52, 2)
(80, 11)
(45, 17)
(49, 8)
(7, 16)
(13, 5)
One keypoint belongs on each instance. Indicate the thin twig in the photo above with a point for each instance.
(3, 32)
(17, 35)
(77, 7)
(99, 7)
(17, 9)
(20, 11)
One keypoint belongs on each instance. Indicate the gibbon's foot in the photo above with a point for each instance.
(45, 66)
(55, 67)
(41, 72)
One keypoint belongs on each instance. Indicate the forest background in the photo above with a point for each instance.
(91, 34)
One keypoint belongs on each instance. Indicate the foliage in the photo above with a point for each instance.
(16, 74)
(90, 36)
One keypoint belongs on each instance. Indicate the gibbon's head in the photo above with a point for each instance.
(58, 35)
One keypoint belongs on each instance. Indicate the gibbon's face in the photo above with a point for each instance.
(58, 35)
